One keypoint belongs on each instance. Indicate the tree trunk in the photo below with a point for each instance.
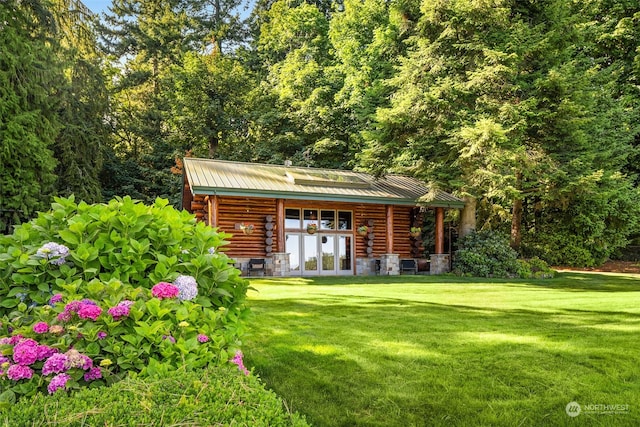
(516, 218)
(213, 146)
(468, 216)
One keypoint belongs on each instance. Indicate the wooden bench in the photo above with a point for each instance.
(408, 265)
(255, 265)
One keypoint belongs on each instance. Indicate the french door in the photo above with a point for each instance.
(320, 254)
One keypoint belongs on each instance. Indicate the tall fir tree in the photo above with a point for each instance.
(83, 106)
(29, 75)
(496, 102)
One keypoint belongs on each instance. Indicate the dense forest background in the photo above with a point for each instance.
(528, 109)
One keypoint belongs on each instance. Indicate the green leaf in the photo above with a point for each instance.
(9, 302)
(69, 237)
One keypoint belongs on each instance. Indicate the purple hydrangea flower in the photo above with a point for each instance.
(25, 352)
(171, 339)
(55, 364)
(55, 299)
(54, 252)
(187, 286)
(102, 335)
(58, 382)
(19, 372)
(75, 359)
(203, 338)
(65, 316)
(44, 352)
(165, 290)
(12, 340)
(72, 307)
(93, 374)
(41, 328)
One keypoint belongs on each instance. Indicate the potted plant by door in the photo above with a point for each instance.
(247, 228)
(363, 230)
(415, 232)
(312, 228)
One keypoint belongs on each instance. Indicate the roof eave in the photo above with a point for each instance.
(317, 197)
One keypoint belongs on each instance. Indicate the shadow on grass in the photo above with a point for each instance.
(569, 281)
(376, 361)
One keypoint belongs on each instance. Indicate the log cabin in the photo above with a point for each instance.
(300, 221)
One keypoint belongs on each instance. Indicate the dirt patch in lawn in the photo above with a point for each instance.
(610, 267)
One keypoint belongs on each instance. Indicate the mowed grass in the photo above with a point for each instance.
(442, 351)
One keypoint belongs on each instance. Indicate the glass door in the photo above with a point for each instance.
(319, 241)
(292, 247)
(310, 254)
(328, 253)
(345, 251)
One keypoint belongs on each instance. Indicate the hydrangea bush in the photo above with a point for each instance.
(91, 293)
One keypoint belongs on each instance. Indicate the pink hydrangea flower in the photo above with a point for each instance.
(165, 290)
(55, 364)
(41, 328)
(89, 311)
(121, 310)
(72, 307)
(19, 372)
(237, 360)
(12, 340)
(25, 352)
(65, 316)
(203, 338)
(58, 382)
(45, 352)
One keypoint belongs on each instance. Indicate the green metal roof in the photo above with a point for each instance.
(226, 178)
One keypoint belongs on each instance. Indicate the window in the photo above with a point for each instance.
(292, 218)
(310, 217)
(327, 220)
(344, 220)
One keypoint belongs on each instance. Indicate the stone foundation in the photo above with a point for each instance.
(390, 265)
(439, 264)
(365, 266)
(279, 265)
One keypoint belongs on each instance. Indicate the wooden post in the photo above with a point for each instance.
(389, 215)
(280, 226)
(212, 204)
(439, 230)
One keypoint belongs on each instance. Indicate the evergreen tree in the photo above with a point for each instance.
(83, 104)
(29, 74)
(496, 102)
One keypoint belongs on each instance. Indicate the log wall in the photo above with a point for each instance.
(235, 210)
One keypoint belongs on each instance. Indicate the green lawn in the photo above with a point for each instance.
(420, 350)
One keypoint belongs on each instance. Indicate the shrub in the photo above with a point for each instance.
(485, 254)
(214, 396)
(97, 279)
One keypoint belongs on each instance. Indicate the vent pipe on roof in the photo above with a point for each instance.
(287, 163)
